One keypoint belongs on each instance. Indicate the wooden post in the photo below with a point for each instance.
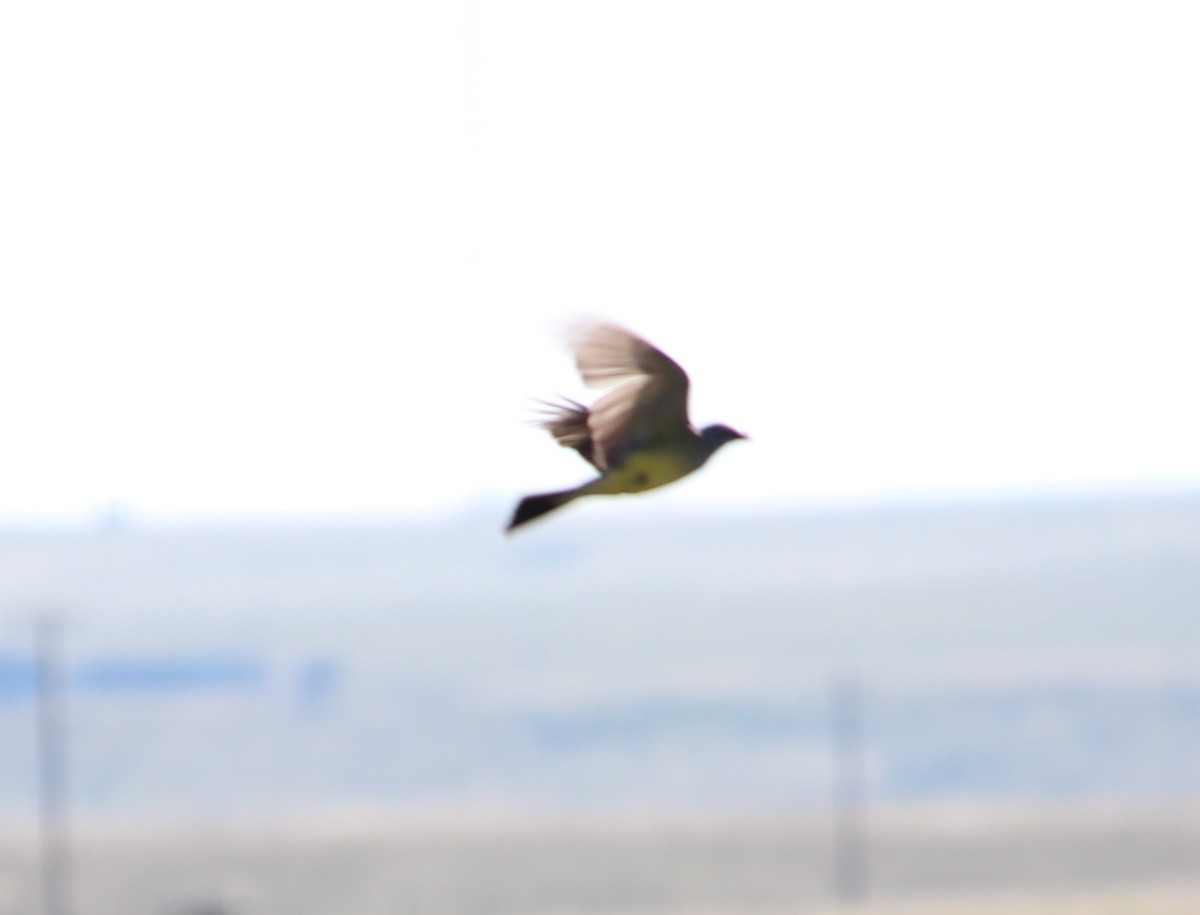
(849, 789)
(52, 767)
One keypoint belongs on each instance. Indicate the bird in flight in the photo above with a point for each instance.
(637, 434)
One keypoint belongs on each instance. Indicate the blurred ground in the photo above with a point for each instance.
(1093, 861)
(1027, 674)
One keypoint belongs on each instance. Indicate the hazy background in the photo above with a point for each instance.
(1012, 652)
(278, 281)
(277, 259)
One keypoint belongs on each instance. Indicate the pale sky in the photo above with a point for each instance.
(267, 258)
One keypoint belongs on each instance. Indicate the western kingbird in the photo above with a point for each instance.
(637, 433)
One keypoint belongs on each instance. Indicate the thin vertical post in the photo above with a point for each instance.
(849, 789)
(52, 767)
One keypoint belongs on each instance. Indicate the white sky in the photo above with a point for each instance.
(263, 257)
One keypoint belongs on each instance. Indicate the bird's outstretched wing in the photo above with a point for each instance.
(568, 423)
(647, 404)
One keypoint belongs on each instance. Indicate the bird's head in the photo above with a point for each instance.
(716, 436)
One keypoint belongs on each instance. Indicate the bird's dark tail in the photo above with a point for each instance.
(532, 507)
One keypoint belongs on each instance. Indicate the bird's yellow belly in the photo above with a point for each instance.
(641, 471)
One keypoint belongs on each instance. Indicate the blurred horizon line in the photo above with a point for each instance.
(117, 515)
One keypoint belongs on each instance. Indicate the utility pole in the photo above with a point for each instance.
(849, 789)
(52, 766)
